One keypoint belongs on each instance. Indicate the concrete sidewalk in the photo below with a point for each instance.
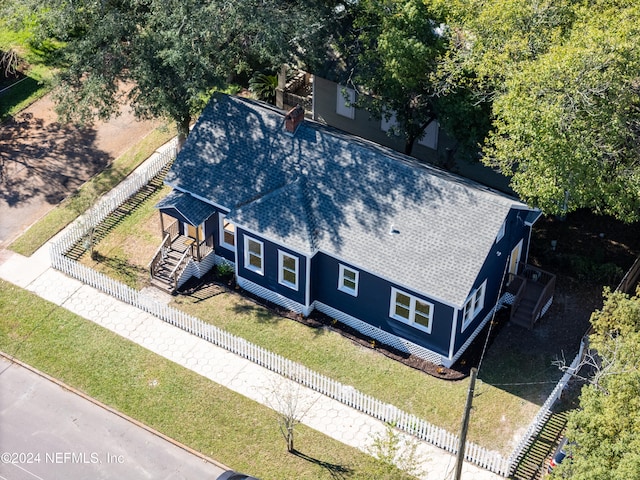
(326, 415)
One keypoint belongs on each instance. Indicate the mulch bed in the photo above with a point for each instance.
(319, 320)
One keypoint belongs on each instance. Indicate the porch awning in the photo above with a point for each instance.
(193, 210)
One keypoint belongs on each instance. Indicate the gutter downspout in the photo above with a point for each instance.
(454, 330)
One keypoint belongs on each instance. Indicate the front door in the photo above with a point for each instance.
(514, 259)
(196, 234)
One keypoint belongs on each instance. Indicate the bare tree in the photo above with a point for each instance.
(291, 405)
(599, 364)
(9, 61)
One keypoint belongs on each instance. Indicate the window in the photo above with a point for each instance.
(473, 305)
(411, 310)
(288, 270)
(392, 122)
(348, 281)
(253, 255)
(227, 233)
(430, 138)
(344, 105)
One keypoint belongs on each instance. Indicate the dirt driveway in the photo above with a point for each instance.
(42, 161)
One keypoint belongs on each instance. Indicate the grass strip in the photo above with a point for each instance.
(219, 423)
(37, 66)
(499, 412)
(59, 217)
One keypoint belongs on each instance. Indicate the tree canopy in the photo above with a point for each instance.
(605, 430)
(171, 53)
(563, 79)
(548, 91)
(391, 49)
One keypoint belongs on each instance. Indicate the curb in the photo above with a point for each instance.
(124, 416)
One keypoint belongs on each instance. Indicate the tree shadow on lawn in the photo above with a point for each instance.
(124, 271)
(339, 472)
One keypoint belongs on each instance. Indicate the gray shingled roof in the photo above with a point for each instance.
(322, 189)
(193, 210)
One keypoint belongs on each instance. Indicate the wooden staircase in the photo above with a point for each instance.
(169, 263)
(532, 289)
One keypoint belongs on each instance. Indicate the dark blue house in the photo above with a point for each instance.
(310, 217)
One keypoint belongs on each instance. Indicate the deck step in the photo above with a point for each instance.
(163, 285)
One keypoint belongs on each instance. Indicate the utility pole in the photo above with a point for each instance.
(465, 424)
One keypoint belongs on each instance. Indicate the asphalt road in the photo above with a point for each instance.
(49, 433)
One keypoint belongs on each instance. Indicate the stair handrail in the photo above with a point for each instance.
(547, 293)
(518, 295)
(158, 256)
(174, 272)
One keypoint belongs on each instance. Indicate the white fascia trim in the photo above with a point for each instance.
(307, 288)
(530, 224)
(202, 199)
(275, 242)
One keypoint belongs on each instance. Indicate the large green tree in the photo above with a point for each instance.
(170, 53)
(563, 80)
(392, 49)
(605, 430)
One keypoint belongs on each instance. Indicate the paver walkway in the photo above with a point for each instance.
(328, 416)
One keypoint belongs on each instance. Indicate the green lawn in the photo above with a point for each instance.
(499, 415)
(179, 403)
(40, 69)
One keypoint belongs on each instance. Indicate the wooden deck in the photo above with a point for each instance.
(533, 290)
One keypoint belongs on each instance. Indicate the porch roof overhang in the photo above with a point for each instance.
(194, 211)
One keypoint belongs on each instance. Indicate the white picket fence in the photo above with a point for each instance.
(545, 411)
(116, 197)
(348, 395)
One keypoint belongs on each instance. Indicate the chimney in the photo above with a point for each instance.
(294, 117)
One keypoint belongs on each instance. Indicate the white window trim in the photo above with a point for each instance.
(342, 287)
(476, 298)
(224, 244)
(430, 137)
(386, 125)
(412, 310)
(281, 269)
(344, 107)
(247, 263)
(501, 232)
